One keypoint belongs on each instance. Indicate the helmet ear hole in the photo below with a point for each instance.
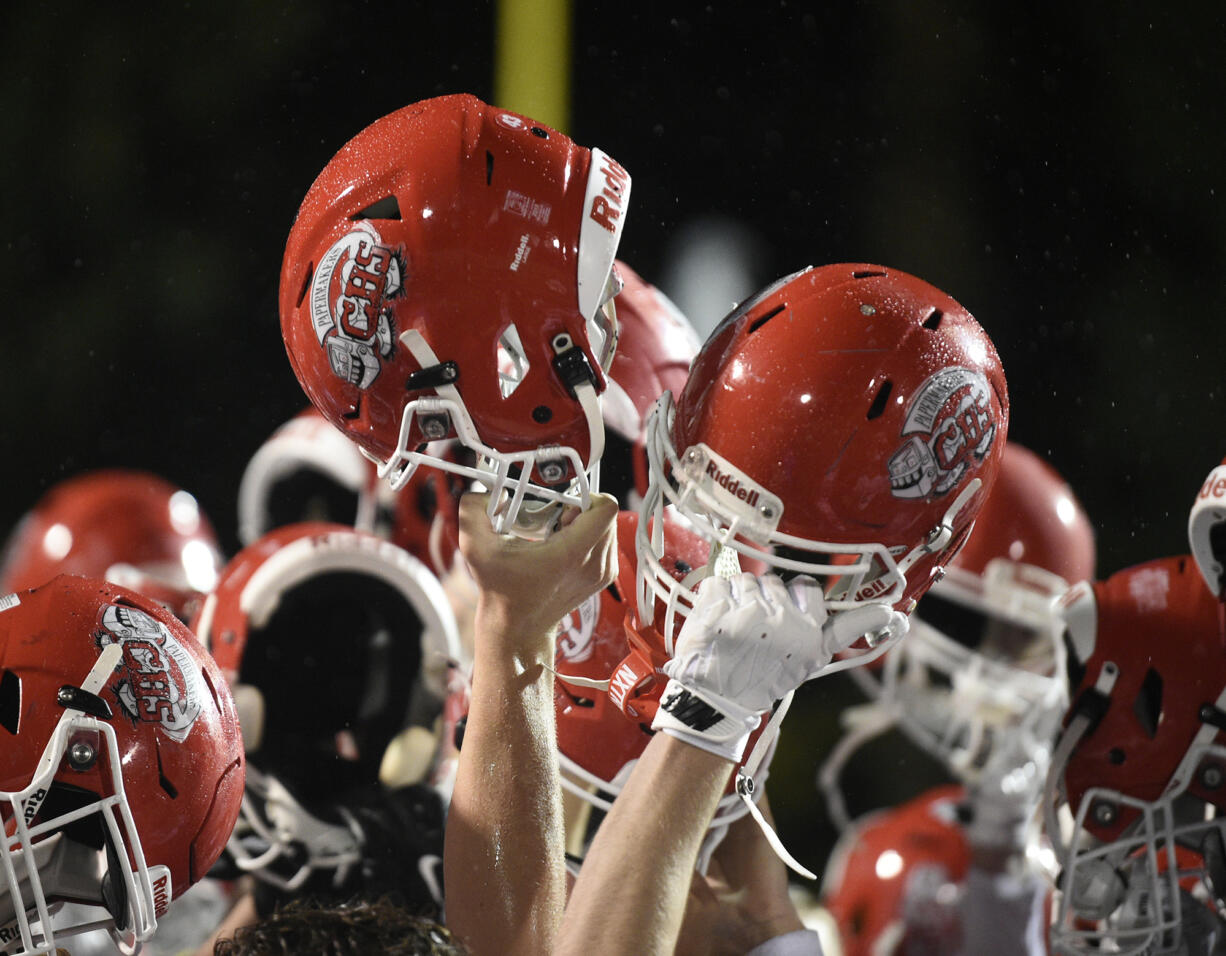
(10, 701)
(1148, 703)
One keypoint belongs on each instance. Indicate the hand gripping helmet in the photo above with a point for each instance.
(449, 274)
(982, 668)
(337, 644)
(308, 471)
(654, 352)
(1141, 762)
(846, 423)
(127, 527)
(610, 678)
(121, 763)
(894, 880)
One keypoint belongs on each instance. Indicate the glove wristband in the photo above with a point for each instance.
(705, 721)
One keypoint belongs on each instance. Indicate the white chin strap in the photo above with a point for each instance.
(745, 786)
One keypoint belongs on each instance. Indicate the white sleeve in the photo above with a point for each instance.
(801, 942)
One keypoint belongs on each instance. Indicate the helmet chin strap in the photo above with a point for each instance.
(745, 786)
(940, 536)
(1083, 719)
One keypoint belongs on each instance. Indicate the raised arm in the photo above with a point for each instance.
(504, 850)
(747, 643)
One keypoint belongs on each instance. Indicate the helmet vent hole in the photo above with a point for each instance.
(880, 400)
(540, 132)
(163, 781)
(1148, 705)
(933, 322)
(306, 283)
(489, 167)
(762, 320)
(868, 274)
(386, 208)
(10, 701)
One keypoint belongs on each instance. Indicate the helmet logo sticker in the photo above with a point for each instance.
(1149, 588)
(355, 278)
(160, 681)
(951, 426)
(526, 207)
(575, 631)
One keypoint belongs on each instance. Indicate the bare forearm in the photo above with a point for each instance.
(504, 871)
(631, 894)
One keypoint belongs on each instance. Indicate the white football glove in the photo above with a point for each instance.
(746, 644)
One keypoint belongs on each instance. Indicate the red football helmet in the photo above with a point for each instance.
(426, 510)
(1142, 760)
(128, 527)
(316, 601)
(122, 760)
(982, 668)
(308, 471)
(653, 356)
(320, 605)
(846, 423)
(610, 678)
(1207, 530)
(450, 273)
(895, 879)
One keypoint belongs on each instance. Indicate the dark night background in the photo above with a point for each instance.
(1055, 167)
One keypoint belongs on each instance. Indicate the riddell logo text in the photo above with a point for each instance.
(161, 895)
(1215, 486)
(607, 204)
(731, 485)
(32, 807)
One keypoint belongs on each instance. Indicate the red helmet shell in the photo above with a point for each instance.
(426, 515)
(172, 713)
(864, 398)
(656, 346)
(127, 526)
(1164, 632)
(1031, 517)
(867, 881)
(306, 444)
(457, 220)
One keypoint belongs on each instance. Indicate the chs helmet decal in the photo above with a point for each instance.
(950, 424)
(357, 275)
(575, 632)
(158, 679)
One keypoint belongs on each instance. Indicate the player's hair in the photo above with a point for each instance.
(355, 928)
